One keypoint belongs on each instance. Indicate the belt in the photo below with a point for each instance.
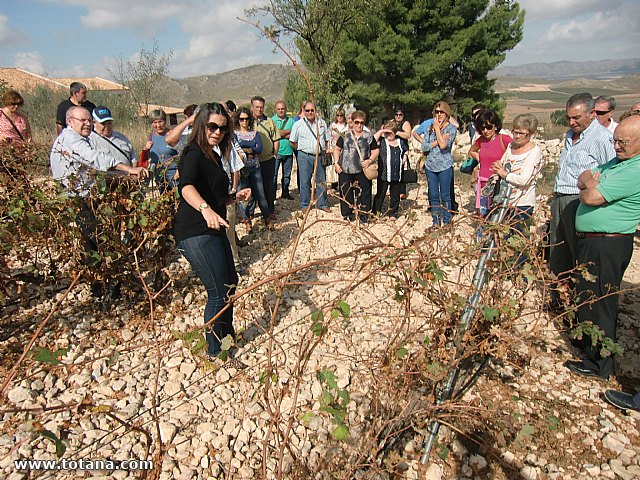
(307, 153)
(600, 235)
(556, 194)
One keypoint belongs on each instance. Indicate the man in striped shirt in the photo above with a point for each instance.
(586, 146)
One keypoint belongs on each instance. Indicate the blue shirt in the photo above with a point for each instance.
(439, 160)
(424, 126)
(594, 147)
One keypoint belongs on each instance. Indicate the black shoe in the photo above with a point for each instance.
(287, 196)
(580, 368)
(621, 400)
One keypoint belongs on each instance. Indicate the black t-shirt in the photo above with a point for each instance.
(211, 182)
(61, 113)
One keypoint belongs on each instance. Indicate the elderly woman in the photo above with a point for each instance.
(200, 221)
(487, 149)
(161, 154)
(520, 167)
(438, 165)
(352, 153)
(393, 154)
(14, 126)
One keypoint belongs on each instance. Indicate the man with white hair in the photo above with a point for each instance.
(604, 112)
(77, 154)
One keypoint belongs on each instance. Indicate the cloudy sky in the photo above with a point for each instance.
(62, 38)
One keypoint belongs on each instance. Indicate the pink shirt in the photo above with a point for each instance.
(8, 132)
(491, 151)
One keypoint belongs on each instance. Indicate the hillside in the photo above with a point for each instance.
(564, 69)
(238, 85)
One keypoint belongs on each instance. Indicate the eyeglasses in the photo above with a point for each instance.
(435, 112)
(213, 126)
(602, 112)
(243, 119)
(622, 143)
(358, 122)
(487, 127)
(309, 111)
(521, 134)
(83, 120)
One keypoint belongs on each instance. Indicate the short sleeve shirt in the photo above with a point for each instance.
(269, 134)
(349, 157)
(620, 188)
(285, 123)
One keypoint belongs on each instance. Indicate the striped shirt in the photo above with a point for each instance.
(594, 147)
(304, 134)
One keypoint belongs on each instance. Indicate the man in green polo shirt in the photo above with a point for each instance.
(606, 221)
(285, 153)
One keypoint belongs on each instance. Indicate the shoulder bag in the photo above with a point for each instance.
(371, 172)
(326, 159)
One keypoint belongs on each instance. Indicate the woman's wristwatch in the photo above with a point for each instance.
(203, 206)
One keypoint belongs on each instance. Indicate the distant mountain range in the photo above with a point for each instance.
(602, 69)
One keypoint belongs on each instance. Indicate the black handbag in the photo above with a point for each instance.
(326, 159)
(409, 175)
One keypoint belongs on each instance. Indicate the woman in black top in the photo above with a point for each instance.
(201, 217)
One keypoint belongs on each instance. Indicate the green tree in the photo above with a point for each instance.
(415, 52)
(317, 27)
(559, 117)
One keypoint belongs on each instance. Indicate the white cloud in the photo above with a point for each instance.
(10, 36)
(597, 28)
(31, 61)
(561, 9)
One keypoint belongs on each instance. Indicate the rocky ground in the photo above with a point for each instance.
(132, 386)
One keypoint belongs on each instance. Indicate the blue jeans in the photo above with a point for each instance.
(439, 184)
(212, 261)
(254, 182)
(305, 167)
(286, 161)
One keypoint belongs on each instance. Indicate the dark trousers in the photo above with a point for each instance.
(355, 190)
(268, 168)
(562, 238)
(394, 200)
(607, 259)
(212, 261)
(88, 225)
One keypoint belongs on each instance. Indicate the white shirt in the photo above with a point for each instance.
(74, 160)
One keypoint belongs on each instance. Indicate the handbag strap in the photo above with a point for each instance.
(117, 147)
(13, 125)
(355, 142)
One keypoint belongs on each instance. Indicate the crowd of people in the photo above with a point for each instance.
(225, 160)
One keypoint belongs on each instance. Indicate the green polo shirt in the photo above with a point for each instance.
(285, 123)
(620, 187)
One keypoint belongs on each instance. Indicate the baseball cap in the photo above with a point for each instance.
(102, 114)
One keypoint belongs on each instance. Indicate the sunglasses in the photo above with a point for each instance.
(398, 113)
(602, 112)
(358, 122)
(213, 126)
(17, 104)
(435, 112)
(309, 111)
(243, 119)
(487, 127)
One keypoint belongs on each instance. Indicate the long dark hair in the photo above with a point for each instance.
(236, 116)
(199, 132)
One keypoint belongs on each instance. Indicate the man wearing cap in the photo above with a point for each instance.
(118, 145)
(606, 222)
(78, 97)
